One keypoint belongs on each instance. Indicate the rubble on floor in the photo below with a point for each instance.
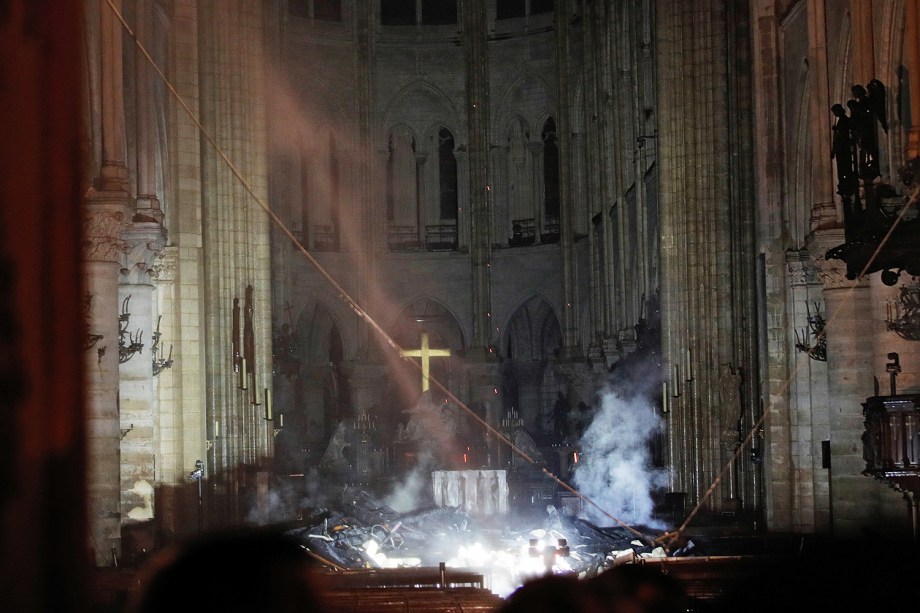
(507, 551)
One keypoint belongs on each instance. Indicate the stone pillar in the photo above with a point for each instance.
(475, 31)
(568, 144)
(137, 407)
(113, 171)
(104, 222)
(863, 47)
(856, 500)
(463, 199)
(148, 206)
(823, 209)
(912, 49)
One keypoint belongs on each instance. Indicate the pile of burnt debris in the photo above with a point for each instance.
(365, 533)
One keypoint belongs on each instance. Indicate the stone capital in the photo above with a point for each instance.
(104, 220)
(165, 265)
(144, 242)
(833, 274)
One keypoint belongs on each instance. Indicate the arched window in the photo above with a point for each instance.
(509, 9)
(447, 175)
(441, 221)
(320, 189)
(413, 12)
(550, 182)
(439, 12)
(397, 12)
(321, 10)
(402, 191)
(520, 184)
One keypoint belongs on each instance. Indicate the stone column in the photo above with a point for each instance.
(823, 209)
(113, 171)
(863, 47)
(912, 49)
(475, 31)
(855, 498)
(148, 206)
(137, 408)
(463, 200)
(568, 144)
(104, 221)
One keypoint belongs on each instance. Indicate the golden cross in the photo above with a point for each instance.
(425, 352)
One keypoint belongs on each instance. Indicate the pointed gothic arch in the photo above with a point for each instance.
(549, 222)
(519, 214)
(402, 213)
(531, 340)
(324, 390)
(320, 189)
(439, 198)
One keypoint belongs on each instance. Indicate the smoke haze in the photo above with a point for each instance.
(615, 469)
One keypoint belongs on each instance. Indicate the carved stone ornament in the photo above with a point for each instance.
(143, 247)
(833, 274)
(801, 269)
(165, 265)
(102, 235)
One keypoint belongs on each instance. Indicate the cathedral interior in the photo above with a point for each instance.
(635, 260)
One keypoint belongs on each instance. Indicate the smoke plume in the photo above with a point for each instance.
(615, 469)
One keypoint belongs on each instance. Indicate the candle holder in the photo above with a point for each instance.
(816, 323)
(128, 343)
(159, 364)
(903, 316)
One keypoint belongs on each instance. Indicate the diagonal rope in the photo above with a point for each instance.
(344, 295)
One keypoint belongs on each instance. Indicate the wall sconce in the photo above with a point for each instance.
(91, 339)
(816, 323)
(127, 348)
(903, 316)
(159, 364)
(124, 431)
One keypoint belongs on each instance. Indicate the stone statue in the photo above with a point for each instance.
(844, 152)
(862, 122)
(730, 396)
(876, 91)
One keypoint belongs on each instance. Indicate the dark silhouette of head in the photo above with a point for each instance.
(246, 570)
(637, 588)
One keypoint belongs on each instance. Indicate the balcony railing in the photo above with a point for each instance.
(550, 232)
(403, 238)
(522, 232)
(441, 237)
(325, 238)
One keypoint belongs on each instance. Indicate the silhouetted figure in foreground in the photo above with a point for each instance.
(866, 574)
(636, 588)
(630, 588)
(244, 571)
(552, 594)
